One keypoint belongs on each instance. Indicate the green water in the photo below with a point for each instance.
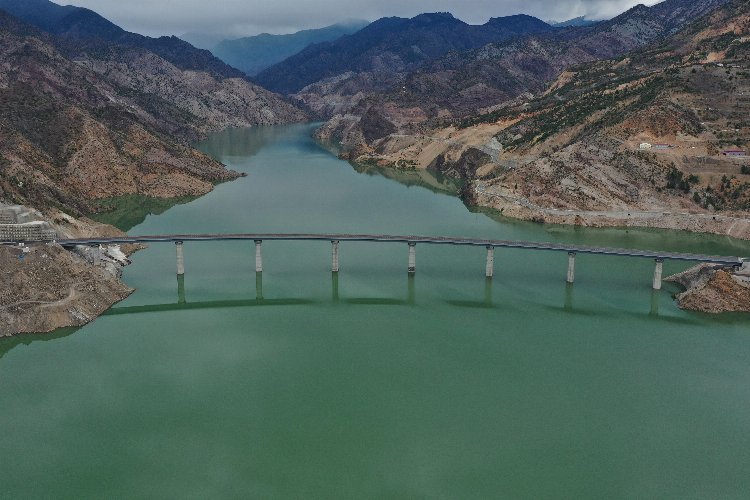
(377, 386)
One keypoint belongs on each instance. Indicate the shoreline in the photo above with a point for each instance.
(699, 223)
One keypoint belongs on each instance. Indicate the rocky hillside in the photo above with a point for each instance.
(253, 54)
(642, 139)
(464, 84)
(391, 45)
(77, 124)
(645, 131)
(67, 136)
(46, 287)
(89, 30)
(210, 94)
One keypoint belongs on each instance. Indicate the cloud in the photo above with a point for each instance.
(246, 17)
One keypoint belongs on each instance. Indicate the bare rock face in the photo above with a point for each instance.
(713, 290)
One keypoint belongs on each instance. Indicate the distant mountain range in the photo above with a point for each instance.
(255, 53)
(392, 45)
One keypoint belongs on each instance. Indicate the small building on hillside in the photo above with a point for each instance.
(645, 145)
(662, 146)
(736, 153)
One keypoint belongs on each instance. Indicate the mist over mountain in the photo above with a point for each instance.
(253, 54)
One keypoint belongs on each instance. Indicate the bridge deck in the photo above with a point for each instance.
(432, 240)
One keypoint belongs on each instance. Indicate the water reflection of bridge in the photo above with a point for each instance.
(410, 299)
(259, 300)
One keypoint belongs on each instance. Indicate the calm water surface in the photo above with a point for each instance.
(378, 386)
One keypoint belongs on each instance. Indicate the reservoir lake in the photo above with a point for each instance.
(373, 384)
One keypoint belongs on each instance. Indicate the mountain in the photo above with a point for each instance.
(80, 125)
(687, 92)
(255, 53)
(640, 139)
(89, 29)
(575, 22)
(464, 84)
(67, 136)
(391, 45)
(212, 94)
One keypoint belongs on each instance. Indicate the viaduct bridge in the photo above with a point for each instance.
(411, 241)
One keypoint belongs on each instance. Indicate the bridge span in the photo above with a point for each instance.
(412, 241)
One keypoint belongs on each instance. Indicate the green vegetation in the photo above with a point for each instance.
(676, 179)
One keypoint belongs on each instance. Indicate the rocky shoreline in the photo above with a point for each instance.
(734, 225)
(713, 289)
(47, 287)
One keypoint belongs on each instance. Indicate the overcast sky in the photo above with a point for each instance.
(249, 17)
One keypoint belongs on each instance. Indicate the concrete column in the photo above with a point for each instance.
(97, 255)
(657, 273)
(571, 267)
(180, 259)
(335, 256)
(258, 257)
(490, 270)
(412, 258)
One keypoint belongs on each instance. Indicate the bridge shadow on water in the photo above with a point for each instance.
(568, 303)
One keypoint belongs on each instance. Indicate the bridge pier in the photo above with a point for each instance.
(412, 257)
(258, 257)
(180, 258)
(97, 255)
(571, 267)
(490, 269)
(335, 252)
(411, 292)
(657, 273)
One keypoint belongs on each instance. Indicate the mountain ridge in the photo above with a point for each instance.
(391, 44)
